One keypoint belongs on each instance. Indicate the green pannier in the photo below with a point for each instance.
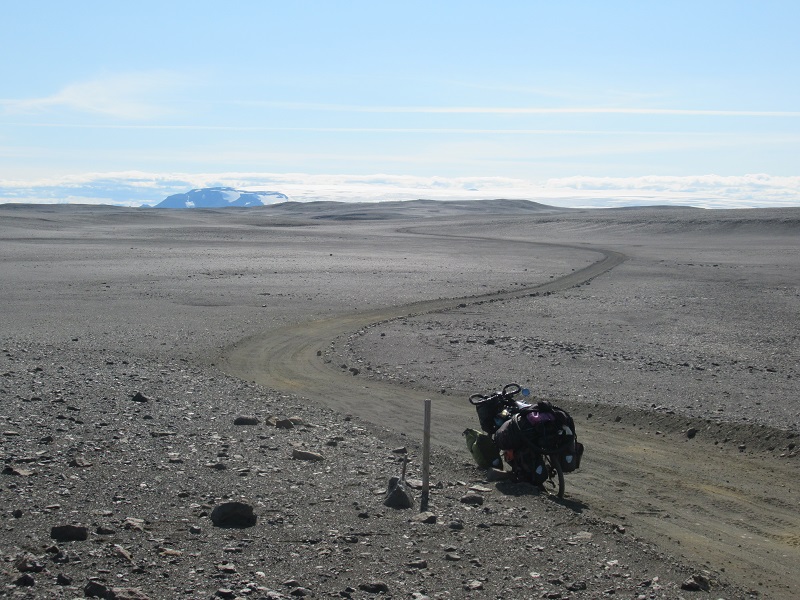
(482, 448)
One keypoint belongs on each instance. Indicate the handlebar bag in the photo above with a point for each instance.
(487, 411)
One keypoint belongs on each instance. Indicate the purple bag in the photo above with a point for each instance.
(536, 417)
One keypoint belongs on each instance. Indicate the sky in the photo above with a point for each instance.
(574, 103)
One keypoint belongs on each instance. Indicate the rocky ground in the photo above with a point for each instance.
(121, 440)
(133, 457)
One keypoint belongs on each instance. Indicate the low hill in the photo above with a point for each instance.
(406, 209)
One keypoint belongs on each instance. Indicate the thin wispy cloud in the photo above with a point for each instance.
(401, 130)
(525, 110)
(127, 96)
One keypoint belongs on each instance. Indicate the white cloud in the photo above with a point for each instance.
(127, 96)
(134, 188)
(527, 110)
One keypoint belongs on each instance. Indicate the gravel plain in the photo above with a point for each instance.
(122, 434)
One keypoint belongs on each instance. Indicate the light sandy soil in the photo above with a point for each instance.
(644, 323)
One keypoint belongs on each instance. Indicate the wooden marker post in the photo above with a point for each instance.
(426, 455)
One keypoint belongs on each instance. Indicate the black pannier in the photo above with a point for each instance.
(509, 436)
(487, 411)
(571, 458)
(542, 428)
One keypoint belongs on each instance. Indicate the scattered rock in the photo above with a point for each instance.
(498, 475)
(473, 585)
(697, 583)
(140, 397)
(415, 484)
(162, 433)
(9, 470)
(122, 552)
(374, 587)
(426, 517)
(95, 589)
(398, 494)
(126, 594)
(233, 515)
(246, 420)
(25, 580)
(306, 455)
(28, 563)
(133, 524)
(69, 533)
(472, 499)
(576, 586)
(479, 489)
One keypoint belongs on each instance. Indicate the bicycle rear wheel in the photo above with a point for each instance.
(555, 464)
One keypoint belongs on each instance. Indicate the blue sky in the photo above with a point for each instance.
(577, 102)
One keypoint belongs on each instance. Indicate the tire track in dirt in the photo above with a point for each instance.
(716, 507)
(287, 358)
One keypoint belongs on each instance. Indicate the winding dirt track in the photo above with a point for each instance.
(734, 513)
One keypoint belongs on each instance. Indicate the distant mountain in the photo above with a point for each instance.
(219, 197)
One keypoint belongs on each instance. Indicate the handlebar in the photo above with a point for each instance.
(509, 391)
(476, 399)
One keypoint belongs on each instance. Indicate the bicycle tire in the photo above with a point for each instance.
(555, 463)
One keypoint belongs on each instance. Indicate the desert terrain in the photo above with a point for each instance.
(158, 364)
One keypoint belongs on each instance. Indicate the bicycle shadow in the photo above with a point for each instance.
(521, 488)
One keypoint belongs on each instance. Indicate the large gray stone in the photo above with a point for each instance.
(398, 495)
(233, 515)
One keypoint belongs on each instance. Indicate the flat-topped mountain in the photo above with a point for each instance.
(218, 197)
